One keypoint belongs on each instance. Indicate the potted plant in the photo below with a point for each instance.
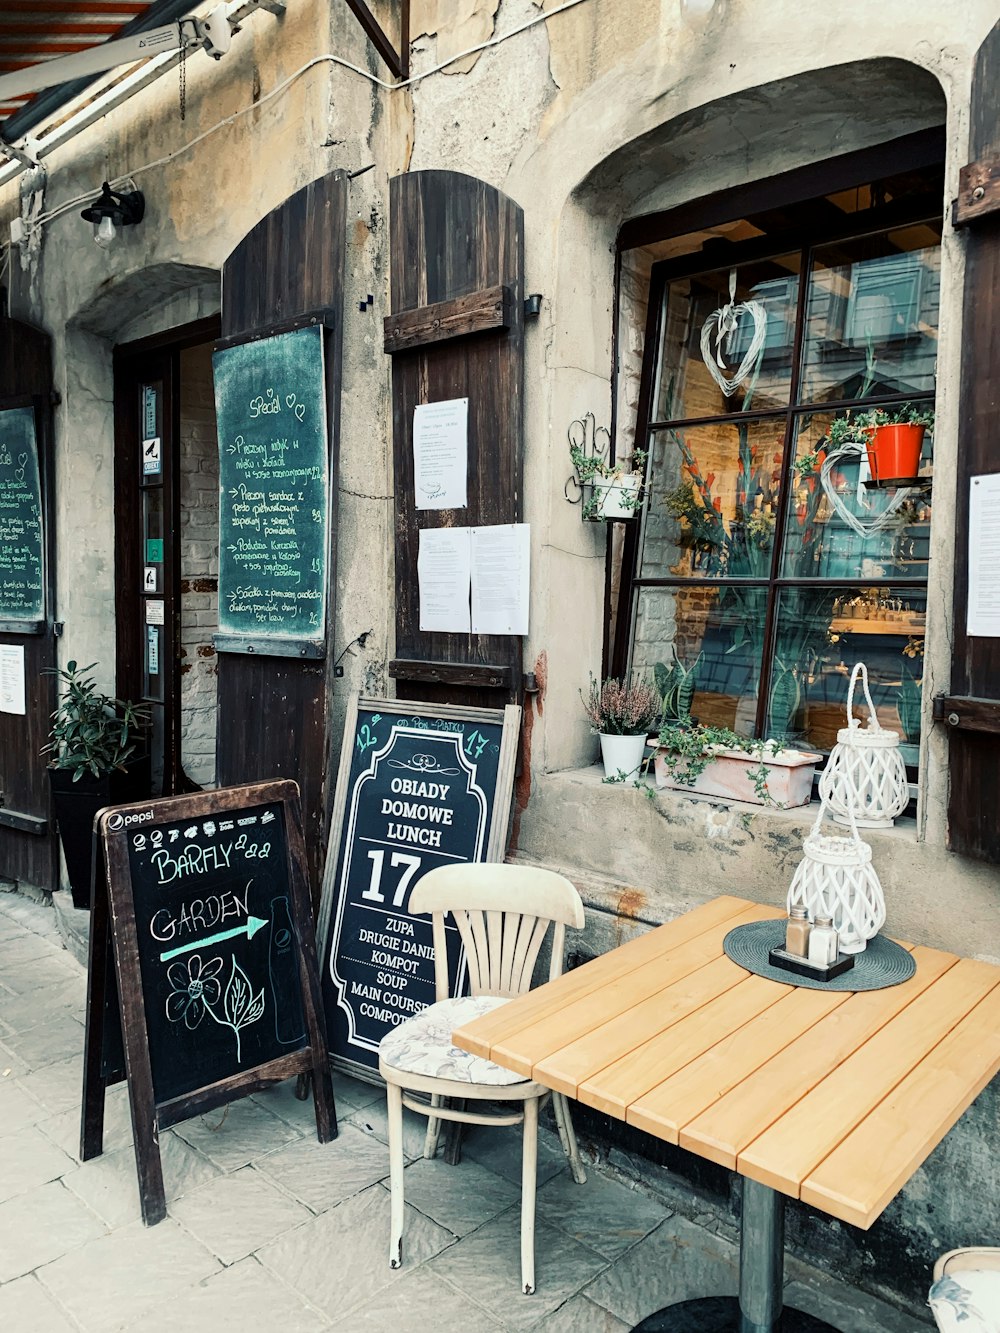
(895, 440)
(616, 488)
(99, 758)
(676, 685)
(714, 761)
(621, 713)
(908, 701)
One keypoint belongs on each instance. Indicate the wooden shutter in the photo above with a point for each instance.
(288, 271)
(972, 711)
(28, 847)
(456, 330)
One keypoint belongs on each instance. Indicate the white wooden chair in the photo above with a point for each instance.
(965, 1297)
(503, 913)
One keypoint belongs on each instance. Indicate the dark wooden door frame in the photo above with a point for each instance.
(132, 362)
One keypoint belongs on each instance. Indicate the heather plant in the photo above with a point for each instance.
(621, 708)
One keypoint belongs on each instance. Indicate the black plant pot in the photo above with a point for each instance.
(76, 804)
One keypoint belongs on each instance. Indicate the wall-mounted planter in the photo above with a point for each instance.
(894, 451)
(617, 497)
(730, 775)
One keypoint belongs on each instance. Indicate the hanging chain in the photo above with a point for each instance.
(183, 78)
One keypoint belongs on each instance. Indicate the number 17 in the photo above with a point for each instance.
(373, 892)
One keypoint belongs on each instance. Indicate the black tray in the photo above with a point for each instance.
(791, 962)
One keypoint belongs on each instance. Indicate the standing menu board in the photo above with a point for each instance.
(22, 595)
(215, 963)
(419, 786)
(271, 405)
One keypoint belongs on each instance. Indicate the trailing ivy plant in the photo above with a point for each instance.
(688, 750)
(592, 469)
(92, 732)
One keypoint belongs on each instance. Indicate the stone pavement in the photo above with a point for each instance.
(267, 1229)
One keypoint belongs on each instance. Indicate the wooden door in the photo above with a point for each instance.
(28, 846)
(456, 330)
(287, 272)
(972, 711)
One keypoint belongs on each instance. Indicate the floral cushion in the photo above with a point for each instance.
(968, 1302)
(422, 1045)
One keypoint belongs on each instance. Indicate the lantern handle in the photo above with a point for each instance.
(824, 806)
(860, 670)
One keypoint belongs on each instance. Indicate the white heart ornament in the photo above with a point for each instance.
(856, 524)
(720, 324)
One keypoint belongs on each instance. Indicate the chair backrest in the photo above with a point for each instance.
(502, 913)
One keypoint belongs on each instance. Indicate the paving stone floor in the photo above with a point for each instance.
(269, 1229)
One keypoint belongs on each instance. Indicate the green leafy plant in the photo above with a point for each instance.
(676, 686)
(621, 708)
(907, 415)
(688, 750)
(594, 470)
(92, 732)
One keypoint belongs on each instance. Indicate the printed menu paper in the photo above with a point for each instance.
(983, 617)
(500, 578)
(441, 454)
(443, 579)
(12, 678)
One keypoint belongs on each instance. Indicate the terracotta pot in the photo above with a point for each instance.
(894, 451)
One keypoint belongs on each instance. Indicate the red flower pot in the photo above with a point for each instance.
(894, 451)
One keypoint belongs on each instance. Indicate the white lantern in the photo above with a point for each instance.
(836, 878)
(865, 777)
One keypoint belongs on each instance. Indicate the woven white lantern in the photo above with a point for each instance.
(865, 776)
(836, 878)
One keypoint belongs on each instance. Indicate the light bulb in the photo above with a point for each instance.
(104, 232)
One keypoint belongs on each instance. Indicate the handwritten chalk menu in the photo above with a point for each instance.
(215, 962)
(22, 594)
(270, 399)
(419, 786)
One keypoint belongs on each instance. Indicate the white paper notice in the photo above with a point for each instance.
(984, 556)
(12, 678)
(500, 578)
(443, 580)
(441, 454)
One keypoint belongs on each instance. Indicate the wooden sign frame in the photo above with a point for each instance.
(114, 917)
(493, 841)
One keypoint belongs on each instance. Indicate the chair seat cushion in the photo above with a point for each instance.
(967, 1301)
(422, 1045)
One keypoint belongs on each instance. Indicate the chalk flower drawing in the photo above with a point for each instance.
(241, 1006)
(195, 988)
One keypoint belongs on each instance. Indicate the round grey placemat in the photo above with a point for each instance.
(883, 963)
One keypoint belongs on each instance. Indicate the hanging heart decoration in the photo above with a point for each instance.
(719, 326)
(856, 524)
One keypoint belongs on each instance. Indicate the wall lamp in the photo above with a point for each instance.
(112, 210)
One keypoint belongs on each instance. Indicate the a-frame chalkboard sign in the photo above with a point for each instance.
(420, 785)
(206, 906)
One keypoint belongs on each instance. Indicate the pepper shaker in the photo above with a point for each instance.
(797, 932)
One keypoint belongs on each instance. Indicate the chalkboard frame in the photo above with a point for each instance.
(262, 644)
(508, 718)
(33, 625)
(114, 918)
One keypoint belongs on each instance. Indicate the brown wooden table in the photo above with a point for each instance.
(832, 1097)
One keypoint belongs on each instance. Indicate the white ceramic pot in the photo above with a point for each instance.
(622, 754)
(616, 495)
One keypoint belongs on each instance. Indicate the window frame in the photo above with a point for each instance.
(807, 237)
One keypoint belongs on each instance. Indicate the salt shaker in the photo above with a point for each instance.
(797, 932)
(824, 943)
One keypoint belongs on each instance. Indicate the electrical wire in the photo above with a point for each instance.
(325, 58)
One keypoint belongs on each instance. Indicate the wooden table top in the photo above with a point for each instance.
(833, 1097)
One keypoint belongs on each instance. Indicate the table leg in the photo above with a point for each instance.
(759, 1306)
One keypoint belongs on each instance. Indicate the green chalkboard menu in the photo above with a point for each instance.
(208, 912)
(419, 786)
(22, 596)
(270, 399)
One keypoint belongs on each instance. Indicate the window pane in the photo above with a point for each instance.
(713, 497)
(717, 633)
(761, 340)
(872, 316)
(822, 632)
(821, 539)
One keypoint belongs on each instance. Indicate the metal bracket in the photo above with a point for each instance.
(978, 192)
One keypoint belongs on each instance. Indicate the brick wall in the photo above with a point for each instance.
(199, 539)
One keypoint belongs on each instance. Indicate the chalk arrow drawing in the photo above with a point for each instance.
(249, 928)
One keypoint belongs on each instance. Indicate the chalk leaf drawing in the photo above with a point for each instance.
(194, 988)
(240, 1004)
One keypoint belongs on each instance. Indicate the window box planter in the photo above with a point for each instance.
(735, 775)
